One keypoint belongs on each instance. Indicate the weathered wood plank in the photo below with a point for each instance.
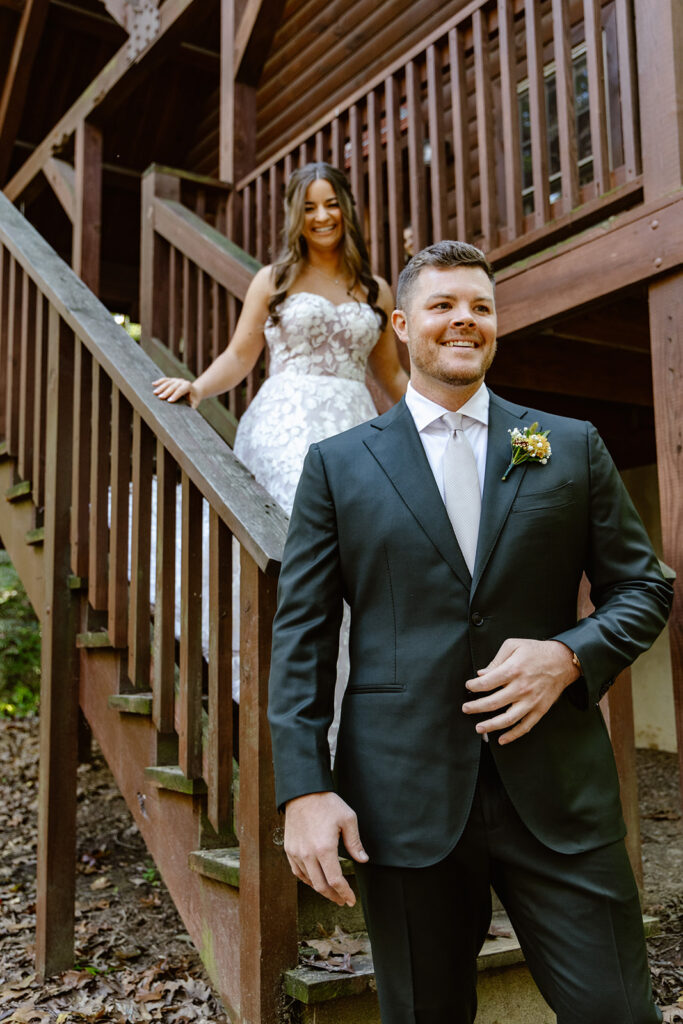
(375, 191)
(267, 886)
(566, 113)
(537, 118)
(26, 383)
(623, 735)
(39, 402)
(258, 24)
(416, 166)
(80, 460)
(394, 177)
(13, 349)
(87, 224)
(485, 143)
(356, 174)
(510, 119)
(592, 10)
(100, 439)
(154, 260)
(628, 86)
(163, 680)
(121, 421)
(463, 204)
(437, 166)
(5, 261)
(246, 508)
(62, 179)
(666, 318)
(139, 647)
(190, 694)
(190, 314)
(56, 851)
(219, 778)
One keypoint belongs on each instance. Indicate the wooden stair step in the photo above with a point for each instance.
(95, 639)
(36, 536)
(3, 450)
(131, 703)
(19, 491)
(172, 777)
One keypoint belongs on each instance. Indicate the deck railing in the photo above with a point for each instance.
(91, 441)
(495, 130)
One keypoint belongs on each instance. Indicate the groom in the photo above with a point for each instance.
(471, 749)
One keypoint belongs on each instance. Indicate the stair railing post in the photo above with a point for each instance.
(59, 676)
(268, 893)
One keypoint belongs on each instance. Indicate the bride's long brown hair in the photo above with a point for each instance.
(293, 250)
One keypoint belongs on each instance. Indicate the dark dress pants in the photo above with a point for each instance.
(577, 918)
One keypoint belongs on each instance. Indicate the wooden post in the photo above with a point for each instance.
(268, 930)
(619, 700)
(659, 35)
(87, 229)
(154, 270)
(237, 133)
(59, 685)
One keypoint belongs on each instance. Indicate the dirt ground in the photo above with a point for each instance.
(135, 962)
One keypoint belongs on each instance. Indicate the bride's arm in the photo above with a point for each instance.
(237, 360)
(384, 361)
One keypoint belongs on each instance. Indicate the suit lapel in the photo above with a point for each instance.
(397, 448)
(498, 493)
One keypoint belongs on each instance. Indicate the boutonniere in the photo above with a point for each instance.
(528, 445)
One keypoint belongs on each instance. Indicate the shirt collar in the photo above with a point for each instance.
(425, 412)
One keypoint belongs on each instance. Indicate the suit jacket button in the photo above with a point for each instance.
(477, 619)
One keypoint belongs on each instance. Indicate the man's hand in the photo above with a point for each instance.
(313, 824)
(527, 676)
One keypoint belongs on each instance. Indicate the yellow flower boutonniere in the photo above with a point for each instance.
(528, 445)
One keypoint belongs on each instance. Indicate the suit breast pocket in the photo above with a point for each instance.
(557, 497)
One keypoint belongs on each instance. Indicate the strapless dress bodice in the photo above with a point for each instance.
(317, 336)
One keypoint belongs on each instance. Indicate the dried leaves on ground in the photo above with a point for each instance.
(134, 960)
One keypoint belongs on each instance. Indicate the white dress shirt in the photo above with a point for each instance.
(434, 433)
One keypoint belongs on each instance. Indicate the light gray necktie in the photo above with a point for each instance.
(461, 488)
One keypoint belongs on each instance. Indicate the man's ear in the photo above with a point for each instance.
(399, 323)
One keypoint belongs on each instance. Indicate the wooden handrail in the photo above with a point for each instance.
(247, 509)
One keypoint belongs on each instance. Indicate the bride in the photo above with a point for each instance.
(325, 318)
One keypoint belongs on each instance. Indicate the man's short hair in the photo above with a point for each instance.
(442, 255)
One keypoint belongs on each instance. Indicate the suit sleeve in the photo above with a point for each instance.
(306, 640)
(632, 599)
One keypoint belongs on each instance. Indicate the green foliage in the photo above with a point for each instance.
(19, 646)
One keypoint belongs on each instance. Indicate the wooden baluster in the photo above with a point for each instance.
(174, 285)
(163, 686)
(5, 260)
(56, 851)
(275, 193)
(80, 460)
(219, 777)
(247, 231)
(87, 225)
(190, 314)
(155, 259)
(320, 147)
(190, 694)
(99, 484)
(304, 155)
(356, 173)
(203, 321)
(416, 164)
(375, 191)
(138, 621)
(267, 887)
(394, 177)
(26, 371)
(484, 104)
(566, 113)
(261, 219)
(539, 138)
(40, 403)
(627, 87)
(436, 144)
(13, 348)
(596, 95)
(510, 117)
(289, 166)
(337, 143)
(121, 427)
(461, 146)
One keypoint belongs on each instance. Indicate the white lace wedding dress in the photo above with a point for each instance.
(315, 388)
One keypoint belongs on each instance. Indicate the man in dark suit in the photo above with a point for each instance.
(471, 749)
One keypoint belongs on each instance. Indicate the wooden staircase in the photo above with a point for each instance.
(83, 442)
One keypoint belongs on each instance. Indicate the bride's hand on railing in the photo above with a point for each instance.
(172, 389)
